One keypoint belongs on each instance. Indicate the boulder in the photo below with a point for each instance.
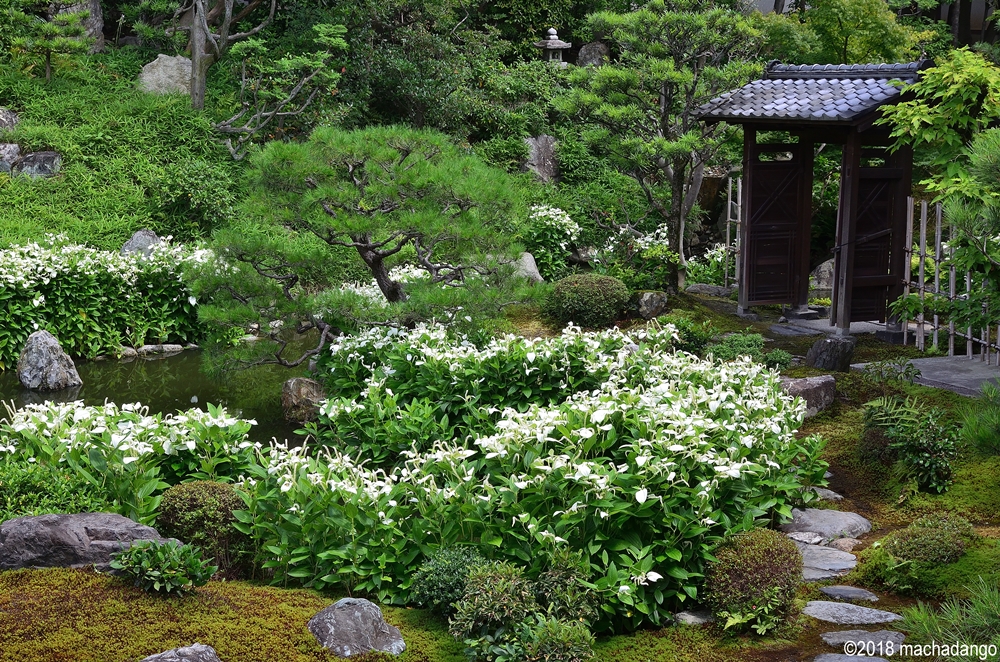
(44, 366)
(818, 392)
(593, 54)
(192, 653)
(38, 164)
(166, 75)
(843, 613)
(542, 158)
(830, 524)
(821, 277)
(652, 304)
(526, 268)
(848, 593)
(93, 24)
(882, 637)
(352, 626)
(68, 541)
(141, 242)
(844, 544)
(301, 398)
(710, 290)
(8, 119)
(9, 155)
(693, 617)
(582, 256)
(834, 353)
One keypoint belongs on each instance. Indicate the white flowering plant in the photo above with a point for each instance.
(710, 267)
(127, 453)
(642, 465)
(94, 301)
(549, 236)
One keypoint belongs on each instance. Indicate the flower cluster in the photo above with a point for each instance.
(555, 223)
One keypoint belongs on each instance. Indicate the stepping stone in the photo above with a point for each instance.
(844, 544)
(820, 562)
(838, 657)
(849, 593)
(829, 524)
(791, 330)
(694, 617)
(843, 613)
(883, 637)
(806, 537)
(827, 495)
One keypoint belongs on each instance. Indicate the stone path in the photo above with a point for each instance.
(843, 613)
(880, 638)
(848, 593)
(953, 373)
(819, 562)
(829, 524)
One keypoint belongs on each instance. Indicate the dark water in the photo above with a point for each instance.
(168, 384)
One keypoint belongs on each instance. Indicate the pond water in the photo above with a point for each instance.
(168, 384)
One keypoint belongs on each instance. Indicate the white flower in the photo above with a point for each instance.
(641, 495)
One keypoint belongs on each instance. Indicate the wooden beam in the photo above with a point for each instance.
(846, 227)
(902, 159)
(805, 224)
(749, 142)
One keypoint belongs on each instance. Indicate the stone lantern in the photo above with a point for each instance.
(552, 47)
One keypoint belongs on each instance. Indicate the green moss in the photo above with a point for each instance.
(80, 616)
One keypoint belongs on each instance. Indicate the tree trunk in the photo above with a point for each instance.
(200, 61)
(391, 289)
(779, 6)
(48, 67)
(678, 216)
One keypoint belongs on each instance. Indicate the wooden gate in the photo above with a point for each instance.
(776, 232)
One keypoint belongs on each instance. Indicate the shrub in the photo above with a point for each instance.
(972, 621)
(201, 513)
(981, 420)
(753, 583)
(926, 545)
(191, 198)
(694, 337)
(561, 591)
(778, 359)
(922, 441)
(549, 236)
(737, 345)
(440, 582)
(31, 488)
(547, 639)
(165, 567)
(497, 596)
(589, 300)
(709, 268)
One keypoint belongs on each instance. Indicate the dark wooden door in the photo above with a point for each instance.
(776, 229)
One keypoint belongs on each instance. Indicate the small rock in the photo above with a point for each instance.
(193, 653)
(848, 593)
(828, 475)
(9, 155)
(882, 637)
(582, 256)
(166, 75)
(844, 544)
(652, 304)
(38, 164)
(750, 317)
(127, 353)
(710, 290)
(833, 353)
(8, 119)
(542, 158)
(149, 350)
(301, 399)
(821, 277)
(694, 617)
(782, 320)
(827, 495)
(44, 366)
(141, 242)
(68, 541)
(352, 626)
(830, 524)
(593, 54)
(837, 657)
(806, 537)
(843, 613)
(526, 268)
(818, 392)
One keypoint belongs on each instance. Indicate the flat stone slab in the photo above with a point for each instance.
(843, 613)
(817, 575)
(849, 593)
(838, 657)
(694, 617)
(820, 562)
(829, 524)
(791, 330)
(827, 495)
(838, 639)
(806, 537)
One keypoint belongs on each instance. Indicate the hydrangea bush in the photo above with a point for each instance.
(95, 301)
(550, 235)
(641, 457)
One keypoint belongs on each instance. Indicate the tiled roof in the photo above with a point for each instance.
(818, 92)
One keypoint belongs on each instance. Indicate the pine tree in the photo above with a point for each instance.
(54, 27)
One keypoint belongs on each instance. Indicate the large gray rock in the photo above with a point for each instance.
(821, 277)
(710, 290)
(44, 366)
(818, 392)
(9, 155)
(141, 242)
(527, 268)
(192, 653)
(834, 353)
(38, 164)
(301, 398)
(68, 541)
(166, 75)
(844, 613)
(8, 119)
(352, 626)
(652, 304)
(93, 24)
(848, 593)
(883, 637)
(542, 157)
(593, 54)
(829, 524)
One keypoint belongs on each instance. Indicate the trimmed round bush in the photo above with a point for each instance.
(201, 513)
(753, 583)
(590, 300)
(560, 590)
(931, 539)
(440, 582)
(497, 596)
